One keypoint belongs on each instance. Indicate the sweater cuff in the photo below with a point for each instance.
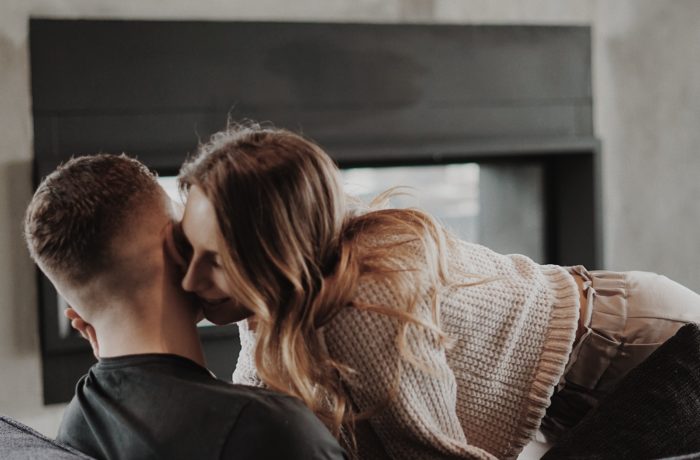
(558, 345)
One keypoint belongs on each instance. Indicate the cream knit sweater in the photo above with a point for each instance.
(486, 393)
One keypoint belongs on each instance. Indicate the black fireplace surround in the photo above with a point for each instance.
(370, 94)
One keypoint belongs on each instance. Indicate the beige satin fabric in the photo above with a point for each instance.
(627, 315)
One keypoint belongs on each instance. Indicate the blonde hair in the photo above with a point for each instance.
(296, 251)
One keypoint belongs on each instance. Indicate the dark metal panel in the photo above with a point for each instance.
(446, 151)
(183, 66)
(61, 372)
(63, 136)
(573, 228)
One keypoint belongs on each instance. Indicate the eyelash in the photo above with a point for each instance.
(183, 246)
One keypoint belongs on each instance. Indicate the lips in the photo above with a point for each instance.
(214, 302)
(223, 310)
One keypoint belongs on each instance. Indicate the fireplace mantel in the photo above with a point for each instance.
(370, 94)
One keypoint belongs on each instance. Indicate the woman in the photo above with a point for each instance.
(445, 348)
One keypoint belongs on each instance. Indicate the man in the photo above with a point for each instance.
(97, 227)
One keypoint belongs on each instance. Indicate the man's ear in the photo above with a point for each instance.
(85, 329)
(92, 338)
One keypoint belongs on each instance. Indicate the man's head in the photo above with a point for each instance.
(95, 227)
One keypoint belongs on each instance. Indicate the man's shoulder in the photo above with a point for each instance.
(239, 421)
(272, 425)
(74, 430)
(273, 407)
(285, 414)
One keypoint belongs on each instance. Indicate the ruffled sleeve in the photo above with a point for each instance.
(245, 372)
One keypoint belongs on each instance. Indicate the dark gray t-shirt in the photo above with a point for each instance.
(157, 406)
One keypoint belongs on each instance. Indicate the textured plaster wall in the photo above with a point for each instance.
(647, 113)
(647, 92)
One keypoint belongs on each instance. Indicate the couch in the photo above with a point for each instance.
(653, 414)
(19, 442)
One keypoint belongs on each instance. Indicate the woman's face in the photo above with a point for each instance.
(205, 275)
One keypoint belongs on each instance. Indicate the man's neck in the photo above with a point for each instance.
(129, 336)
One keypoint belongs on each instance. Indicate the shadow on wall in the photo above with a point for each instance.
(20, 280)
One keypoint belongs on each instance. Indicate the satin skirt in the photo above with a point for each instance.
(627, 316)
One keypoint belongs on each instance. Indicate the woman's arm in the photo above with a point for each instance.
(420, 419)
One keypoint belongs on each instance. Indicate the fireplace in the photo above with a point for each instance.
(509, 107)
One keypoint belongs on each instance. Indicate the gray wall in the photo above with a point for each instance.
(647, 73)
(647, 113)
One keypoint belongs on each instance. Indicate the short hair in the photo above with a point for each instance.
(78, 209)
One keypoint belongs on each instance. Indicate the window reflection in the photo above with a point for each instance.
(448, 192)
(498, 205)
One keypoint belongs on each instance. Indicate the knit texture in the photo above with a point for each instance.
(481, 397)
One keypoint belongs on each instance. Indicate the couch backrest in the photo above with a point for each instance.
(19, 442)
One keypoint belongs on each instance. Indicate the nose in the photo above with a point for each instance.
(194, 281)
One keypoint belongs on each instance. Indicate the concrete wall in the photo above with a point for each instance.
(647, 92)
(647, 113)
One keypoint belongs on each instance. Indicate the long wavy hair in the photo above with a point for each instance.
(296, 249)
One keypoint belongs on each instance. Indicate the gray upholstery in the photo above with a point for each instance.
(19, 442)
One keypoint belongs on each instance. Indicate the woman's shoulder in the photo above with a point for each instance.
(480, 260)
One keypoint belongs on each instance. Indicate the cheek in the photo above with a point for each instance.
(219, 280)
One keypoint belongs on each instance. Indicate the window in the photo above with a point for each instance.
(498, 205)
